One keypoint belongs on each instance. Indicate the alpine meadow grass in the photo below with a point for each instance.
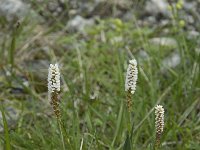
(119, 82)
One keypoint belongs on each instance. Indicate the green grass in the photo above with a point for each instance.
(93, 68)
(5, 125)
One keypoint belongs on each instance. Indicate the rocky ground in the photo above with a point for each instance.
(76, 15)
(152, 12)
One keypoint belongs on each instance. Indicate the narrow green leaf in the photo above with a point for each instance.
(12, 49)
(127, 144)
(119, 122)
(5, 124)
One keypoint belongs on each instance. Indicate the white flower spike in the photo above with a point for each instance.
(54, 88)
(131, 76)
(54, 78)
(159, 124)
(159, 120)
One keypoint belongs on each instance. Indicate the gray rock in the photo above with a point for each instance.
(12, 9)
(156, 7)
(128, 16)
(151, 20)
(33, 66)
(104, 8)
(193, 34)
(116, 39)
(189, 19)
(172, 61)
(11, 113)
(164, 41)
(189, 5)
(143, 55)
(79, 23)
(197, 50)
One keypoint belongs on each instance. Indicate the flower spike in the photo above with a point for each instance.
(54, 87)
(131, 80)
(159, 123)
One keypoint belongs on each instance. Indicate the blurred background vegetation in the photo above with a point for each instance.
(92, 41)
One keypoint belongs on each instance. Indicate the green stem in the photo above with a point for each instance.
(64, 133)
(129, 122)
(61, 133)
(129, 110)
(157, 143)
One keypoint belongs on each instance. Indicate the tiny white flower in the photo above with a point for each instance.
(131, 76)
(53, 78)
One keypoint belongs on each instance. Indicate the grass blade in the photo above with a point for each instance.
(127, 144)
(12, 49)
(119, 122)
(5, 124)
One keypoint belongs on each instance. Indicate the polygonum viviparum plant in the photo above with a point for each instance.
(53, 93)
(159, 123)
(131, 80)
(54, 88)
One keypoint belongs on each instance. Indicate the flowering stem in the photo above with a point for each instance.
(61, 133)
(157, 144)
(130, 87)
(53, 92)
(129, 105)
(129, 101)
(55, 104)
(64, 133)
